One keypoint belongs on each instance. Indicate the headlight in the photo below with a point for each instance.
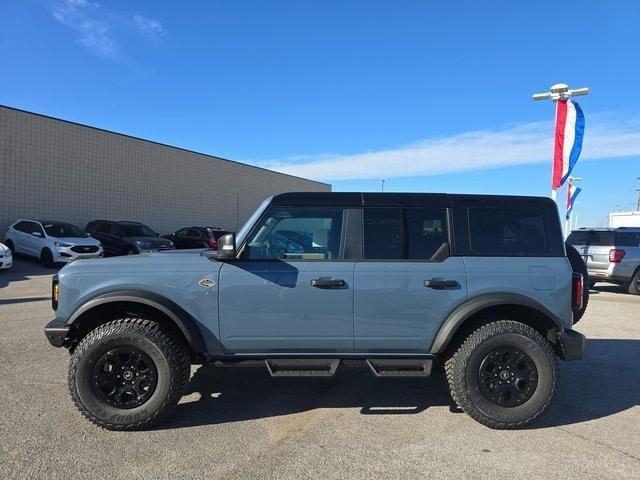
(7, 253)
(62, 245)
(143, 245)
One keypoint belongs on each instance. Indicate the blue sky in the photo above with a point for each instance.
(432, 96)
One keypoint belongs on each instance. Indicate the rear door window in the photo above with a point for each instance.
(404, 233)
(514, 232)
(23, 227)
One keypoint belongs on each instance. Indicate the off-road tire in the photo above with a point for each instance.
(46, 258)
(578, 266)
(633, 288)
(169, 355)
(462, 371)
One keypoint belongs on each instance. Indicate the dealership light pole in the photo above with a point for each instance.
(560, 91)
(382, 180)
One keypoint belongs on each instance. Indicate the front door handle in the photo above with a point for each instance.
(329, 283)
(441, 283)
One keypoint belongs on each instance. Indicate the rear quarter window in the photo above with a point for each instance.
(511, 232)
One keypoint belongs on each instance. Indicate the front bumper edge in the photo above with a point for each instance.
(57, 332)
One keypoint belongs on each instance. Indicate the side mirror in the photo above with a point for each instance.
(37, 234)
(227, 246)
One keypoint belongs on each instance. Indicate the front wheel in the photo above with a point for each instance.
(46, 258)
(504, 375)
(128, 374)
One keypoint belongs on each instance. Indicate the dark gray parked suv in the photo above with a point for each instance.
(611, 254)
(479, 284)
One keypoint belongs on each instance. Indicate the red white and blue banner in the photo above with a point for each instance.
(572, 194)
(568, 143)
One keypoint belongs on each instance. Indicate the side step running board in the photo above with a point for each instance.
(302, 367)
(400, 367)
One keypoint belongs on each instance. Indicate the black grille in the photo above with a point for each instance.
(84, 249)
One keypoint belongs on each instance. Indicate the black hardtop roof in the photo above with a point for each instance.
(605, 229)
(359, 199)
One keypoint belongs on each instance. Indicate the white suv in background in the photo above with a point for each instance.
(52, 242)
(6, 258)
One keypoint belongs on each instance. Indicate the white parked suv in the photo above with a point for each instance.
(51, 242)
(6, 257)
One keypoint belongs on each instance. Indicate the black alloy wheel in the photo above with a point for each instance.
(508, 377)
(125, 377)
(128, 374)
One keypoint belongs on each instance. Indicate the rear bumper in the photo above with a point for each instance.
(571, 345)
(57, 332)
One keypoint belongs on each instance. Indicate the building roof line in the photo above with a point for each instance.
(133, 137)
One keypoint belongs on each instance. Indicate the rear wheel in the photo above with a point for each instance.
(128, 374)
(504, 375)
(46, 258)
(633, 288)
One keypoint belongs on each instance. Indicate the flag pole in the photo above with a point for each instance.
(559, 91)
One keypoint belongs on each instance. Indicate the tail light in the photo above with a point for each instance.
(577, 291)
(213, 243)
(616, 255)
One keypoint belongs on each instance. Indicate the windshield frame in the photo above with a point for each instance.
(244, 231)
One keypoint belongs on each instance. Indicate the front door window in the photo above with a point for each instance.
(304, 233)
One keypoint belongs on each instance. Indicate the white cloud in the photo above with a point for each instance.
(94, 31)
(149, 27)
(606, 136)
(97, 27)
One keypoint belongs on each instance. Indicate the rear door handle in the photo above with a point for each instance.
(441, 283)
(328, 283)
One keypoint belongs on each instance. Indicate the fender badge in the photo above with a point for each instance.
(207, 282)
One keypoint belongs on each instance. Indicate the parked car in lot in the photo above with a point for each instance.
(6, 257)
(127, 238)
(196, 237)
(398, 282)
(51, 241)
(611, 254)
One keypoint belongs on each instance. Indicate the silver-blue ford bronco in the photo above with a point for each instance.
(480, 285)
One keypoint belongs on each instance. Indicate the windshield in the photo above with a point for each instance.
(137, 230)
(249, 223)
(60, 230)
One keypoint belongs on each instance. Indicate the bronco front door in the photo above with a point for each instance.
(291, 290)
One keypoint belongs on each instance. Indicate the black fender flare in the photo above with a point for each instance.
(474, 305)
(182, 319)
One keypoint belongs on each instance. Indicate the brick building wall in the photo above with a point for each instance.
(60, 170)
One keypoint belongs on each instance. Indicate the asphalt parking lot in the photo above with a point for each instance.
(240, 423)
